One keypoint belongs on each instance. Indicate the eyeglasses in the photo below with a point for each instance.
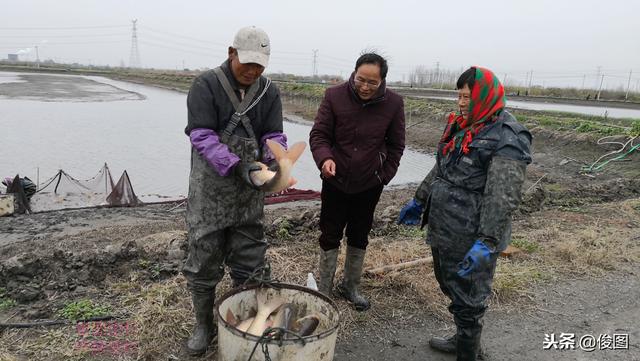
(370, 84)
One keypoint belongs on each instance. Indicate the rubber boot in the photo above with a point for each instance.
(449, 344)
(327, 269)
(351, 281)
(468, 346)
(204, 330)
(442, 344)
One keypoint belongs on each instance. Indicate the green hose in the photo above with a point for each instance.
(620, 157)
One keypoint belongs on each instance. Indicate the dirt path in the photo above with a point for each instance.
(515, 330)
(581, 307)
(41, 227)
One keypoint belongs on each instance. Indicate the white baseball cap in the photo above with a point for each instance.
(253, 46)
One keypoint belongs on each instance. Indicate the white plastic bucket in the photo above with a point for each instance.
(235, 345)
(6, 204)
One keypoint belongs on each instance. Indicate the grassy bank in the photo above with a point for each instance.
(420, 109)
(308, 96)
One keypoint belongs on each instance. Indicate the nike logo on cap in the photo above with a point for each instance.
(264, 45)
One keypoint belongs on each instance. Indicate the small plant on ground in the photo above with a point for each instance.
(144, 263)
(83, 309)
(635, 128)
(155, 271)
(525, 245)
(514, 279)
(412, 231)
(283, 230)
(5, 302)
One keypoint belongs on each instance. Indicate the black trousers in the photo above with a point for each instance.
(353, 211)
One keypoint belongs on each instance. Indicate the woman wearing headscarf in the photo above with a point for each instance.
(467, 200)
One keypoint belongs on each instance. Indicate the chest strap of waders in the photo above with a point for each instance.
(241, 109)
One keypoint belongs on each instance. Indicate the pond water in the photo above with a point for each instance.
(76, 123)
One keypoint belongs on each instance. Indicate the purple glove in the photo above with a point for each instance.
(218, 155)
(279, 137)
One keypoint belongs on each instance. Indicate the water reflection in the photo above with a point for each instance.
(8, 77)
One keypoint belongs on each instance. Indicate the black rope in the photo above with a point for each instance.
(273, 334)
(262, 277)
(53, 322)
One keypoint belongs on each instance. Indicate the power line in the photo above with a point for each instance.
(329, 66)
(144, 42)
(208, 48)
(339, 59)
(64, 27)
(29, 45)
(327, 61)
(210, 53)
(183, 36)
(63, 36)
(291, 52)
(280, 63)
(274, 57)
(175, 42)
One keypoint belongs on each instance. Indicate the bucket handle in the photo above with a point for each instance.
(269, 335)
(261, 276)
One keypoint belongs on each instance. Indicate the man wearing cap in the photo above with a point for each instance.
(232, 111)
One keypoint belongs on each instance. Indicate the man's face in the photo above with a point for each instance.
(245, 74)
(367, 80)
(464, 96)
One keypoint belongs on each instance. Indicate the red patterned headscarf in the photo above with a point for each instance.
(487, 101)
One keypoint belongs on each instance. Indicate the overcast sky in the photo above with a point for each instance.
(561, 41)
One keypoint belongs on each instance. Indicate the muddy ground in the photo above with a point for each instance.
(577, 273)
(57, 88)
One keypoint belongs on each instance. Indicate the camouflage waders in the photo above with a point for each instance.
(224, 219)
(468, 197)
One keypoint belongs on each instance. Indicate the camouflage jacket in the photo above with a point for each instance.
(471, 196)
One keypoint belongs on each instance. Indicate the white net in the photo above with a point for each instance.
(62, 191)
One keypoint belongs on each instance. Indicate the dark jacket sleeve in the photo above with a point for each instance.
(395, 144)
(503, 190)
(424, 190)
(321, 137)
(273, 117)
(201, 107)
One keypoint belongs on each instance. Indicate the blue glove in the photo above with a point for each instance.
(411, 213)
(476, 259)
